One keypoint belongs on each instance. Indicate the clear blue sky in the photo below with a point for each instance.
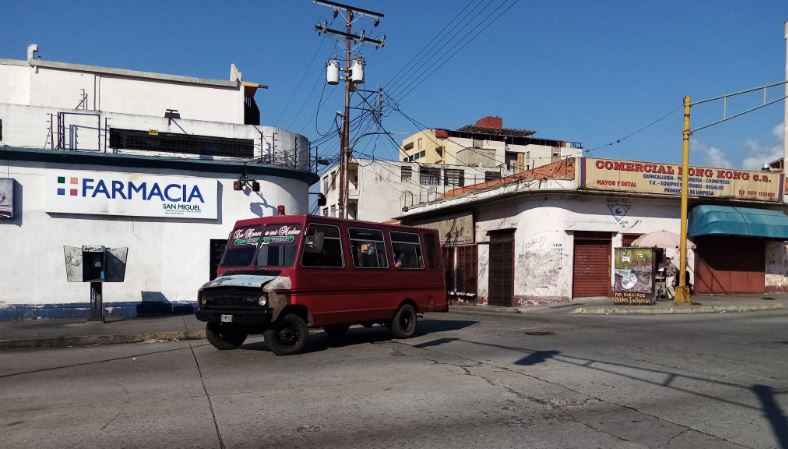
(588, 71)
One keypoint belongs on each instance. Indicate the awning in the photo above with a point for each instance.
(745, 221)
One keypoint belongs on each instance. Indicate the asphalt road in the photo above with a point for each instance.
(543, 380)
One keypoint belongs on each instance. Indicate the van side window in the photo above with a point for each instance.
(327, 256)
(367, 248)
(407, 249)
(433, 253)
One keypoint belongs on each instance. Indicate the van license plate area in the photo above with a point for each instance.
(226, 318)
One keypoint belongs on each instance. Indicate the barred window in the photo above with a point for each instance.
(429, 176)
(406, 173)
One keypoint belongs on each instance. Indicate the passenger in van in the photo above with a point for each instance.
(398, 261)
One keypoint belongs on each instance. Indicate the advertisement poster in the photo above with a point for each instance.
(634, 274)
(130, 194)
(6, 198)
(665, 179)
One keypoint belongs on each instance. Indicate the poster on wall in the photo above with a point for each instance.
(131, 194)
(6, 198)
(665, 179)
(634, 276)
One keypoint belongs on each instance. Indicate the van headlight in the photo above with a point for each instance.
(201, 299)
(262, 300)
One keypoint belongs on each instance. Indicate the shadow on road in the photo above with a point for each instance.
(773, 413)
(320, 341)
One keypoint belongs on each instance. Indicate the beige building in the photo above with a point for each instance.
(486, 144)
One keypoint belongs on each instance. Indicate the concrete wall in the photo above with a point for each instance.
(776, 266)
(168, 257)
(15, 82)
(544, 237)
(62, 88)
(28, 126)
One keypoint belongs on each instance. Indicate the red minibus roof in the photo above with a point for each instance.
(322, 219)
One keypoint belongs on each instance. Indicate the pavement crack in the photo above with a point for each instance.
(670, 440)
(111, 420)
(207, 396)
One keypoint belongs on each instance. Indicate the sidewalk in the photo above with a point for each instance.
(61, 333)
(605, 306)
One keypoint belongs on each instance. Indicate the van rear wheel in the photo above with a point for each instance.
(224, 337)
(403, 325)
(288, 335)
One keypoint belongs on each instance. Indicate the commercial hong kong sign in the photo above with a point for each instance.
(650, 177)
(134, 195)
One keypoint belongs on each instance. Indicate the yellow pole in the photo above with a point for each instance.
(682, 292)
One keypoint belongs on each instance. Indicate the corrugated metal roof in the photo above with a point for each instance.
(487, 130)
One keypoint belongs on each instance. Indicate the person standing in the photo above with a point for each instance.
(670, 277)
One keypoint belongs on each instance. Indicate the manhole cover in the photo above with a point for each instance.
(538, 333)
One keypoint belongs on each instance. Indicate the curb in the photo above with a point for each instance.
(646, 310)
(86, 340)
(488, 311)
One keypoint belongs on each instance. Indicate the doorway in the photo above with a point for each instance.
(501, 272)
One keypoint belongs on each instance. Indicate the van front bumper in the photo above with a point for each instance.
(260, 317)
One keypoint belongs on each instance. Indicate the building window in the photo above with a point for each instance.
(333, 180)
(490, 175)
(325, 212)
(325, 183)
(408, 146)
(330, 255)
(130, 139)
(406, 174)
(333, 211)
(419, 147)
(454, 177)
(429, 176)
(367, 248)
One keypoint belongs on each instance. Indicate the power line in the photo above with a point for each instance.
(301, 81)
(621, 139)
(441, 34)
(464, 44)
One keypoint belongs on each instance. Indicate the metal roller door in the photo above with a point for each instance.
(591, 267)
(728, 265)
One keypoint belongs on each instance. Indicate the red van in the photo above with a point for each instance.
(280, 275)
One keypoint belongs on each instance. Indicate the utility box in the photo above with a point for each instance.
(95, 264)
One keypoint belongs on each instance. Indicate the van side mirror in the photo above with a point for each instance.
(321, 199)
(314, 243)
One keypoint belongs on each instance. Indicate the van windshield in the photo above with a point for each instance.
(272, 245)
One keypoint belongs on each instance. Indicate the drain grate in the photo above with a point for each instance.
(539, 333)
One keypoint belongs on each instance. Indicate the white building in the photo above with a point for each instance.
(486, 144)
(380, 190)
(548, 234)
(96, 156)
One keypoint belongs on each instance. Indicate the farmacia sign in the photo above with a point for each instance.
(139, 195)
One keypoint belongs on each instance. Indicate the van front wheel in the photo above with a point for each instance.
(288, 335)
(224, 337)
(403, 325)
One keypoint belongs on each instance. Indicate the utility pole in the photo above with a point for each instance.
(354, 73)
(682, 291)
